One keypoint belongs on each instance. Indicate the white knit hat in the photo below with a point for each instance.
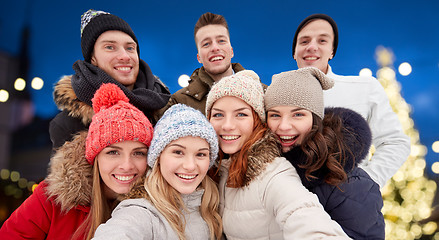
(245, 85)
(181, 121)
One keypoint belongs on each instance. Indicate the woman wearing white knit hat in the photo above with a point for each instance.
(261, 195)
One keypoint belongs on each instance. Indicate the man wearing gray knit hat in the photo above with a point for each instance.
(314, 44)
(111, 55)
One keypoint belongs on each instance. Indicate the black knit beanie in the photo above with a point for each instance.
(314, 17)
(94, 23)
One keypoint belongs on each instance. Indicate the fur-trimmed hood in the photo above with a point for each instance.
(66, 99)
(261, 153)
(70, 175)
(357, 137)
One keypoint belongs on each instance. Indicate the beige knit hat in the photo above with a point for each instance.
(301, 88)
(245, 85)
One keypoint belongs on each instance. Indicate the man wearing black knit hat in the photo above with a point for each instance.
(315, 43)
(111, 55)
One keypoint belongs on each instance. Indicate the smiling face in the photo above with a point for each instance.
(214, 50)
(232, 119)
(184, 163)
(314, 46)
(290, 124)
(120, 164)
(115, 52)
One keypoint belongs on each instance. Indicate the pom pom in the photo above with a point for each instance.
(249, 73)
(106, 96)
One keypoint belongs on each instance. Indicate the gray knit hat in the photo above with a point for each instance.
(302, 88)
(245, 85)
(94, 23)
(181, 121)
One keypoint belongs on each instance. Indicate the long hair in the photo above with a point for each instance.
(100, 209)
(169, 202)
(324, 148)
(239, 164)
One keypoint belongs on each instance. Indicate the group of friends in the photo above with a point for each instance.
(226, 157)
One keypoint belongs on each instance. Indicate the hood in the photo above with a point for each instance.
(66, 99)
(70, 175)
(357, 137)
(261, 153)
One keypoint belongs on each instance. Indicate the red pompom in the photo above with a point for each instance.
(106, 96)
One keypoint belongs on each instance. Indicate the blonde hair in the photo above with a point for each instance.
(169, 202)
(100, 207)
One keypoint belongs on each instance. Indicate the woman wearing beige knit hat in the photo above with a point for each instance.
(261, 195)
(326, 146)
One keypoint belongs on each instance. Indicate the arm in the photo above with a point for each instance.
(298, 211)
(392, 146)
(31, 220)
(129, 220)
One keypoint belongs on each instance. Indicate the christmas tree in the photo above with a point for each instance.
(409, 194)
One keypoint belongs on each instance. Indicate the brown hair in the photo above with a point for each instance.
(325, 148)
(210, 19)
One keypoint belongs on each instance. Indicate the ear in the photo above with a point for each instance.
(198, 58)
(93, 60)
(233, 54)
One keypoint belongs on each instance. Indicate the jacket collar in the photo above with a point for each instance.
(70, 175)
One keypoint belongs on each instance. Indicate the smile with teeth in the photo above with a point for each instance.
(124, 178)
(229, 138)
(217, 58)
(187, 177)
(311, 58)
(123, 68)
(287, 139)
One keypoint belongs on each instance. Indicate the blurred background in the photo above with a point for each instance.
(395, 41)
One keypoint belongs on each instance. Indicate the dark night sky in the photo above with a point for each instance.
(261, 35)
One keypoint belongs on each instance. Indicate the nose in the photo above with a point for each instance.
(123, 54)
(189, 163)
(285, 124)
(312, 46)
(228, 124)
(127, 163)
(215, 47)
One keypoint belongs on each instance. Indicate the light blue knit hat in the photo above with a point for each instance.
(181, 121)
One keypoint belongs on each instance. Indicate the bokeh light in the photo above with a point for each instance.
(183, 80)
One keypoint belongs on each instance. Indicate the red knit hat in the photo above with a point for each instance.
(115, 120)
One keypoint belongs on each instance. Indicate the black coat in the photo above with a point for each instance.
(73, 96)
(355, 204)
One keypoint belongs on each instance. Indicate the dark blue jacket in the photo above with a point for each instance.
(355, 204)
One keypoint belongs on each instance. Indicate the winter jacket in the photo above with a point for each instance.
(366, 96)
(355, 204)
(139, 219)
(273, 204)
(60, 203)
(73, 96)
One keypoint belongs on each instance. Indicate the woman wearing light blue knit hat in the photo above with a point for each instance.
(176, 200)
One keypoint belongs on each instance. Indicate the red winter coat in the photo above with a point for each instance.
(60, 203)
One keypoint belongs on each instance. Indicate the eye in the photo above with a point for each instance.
(205, 44)
(131, 49)
(242, 115)
(202, 154)
(178, 152)
(273, 115)
(217, 115)
(112, 152)
(109, 47)
(139, 153)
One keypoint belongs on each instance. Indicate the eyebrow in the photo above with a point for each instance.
(292, 110)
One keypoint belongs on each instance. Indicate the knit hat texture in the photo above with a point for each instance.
(301, 88)
(245, 85)
(315, 17)
(94, 23)
(115, 120)
(182, 121)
